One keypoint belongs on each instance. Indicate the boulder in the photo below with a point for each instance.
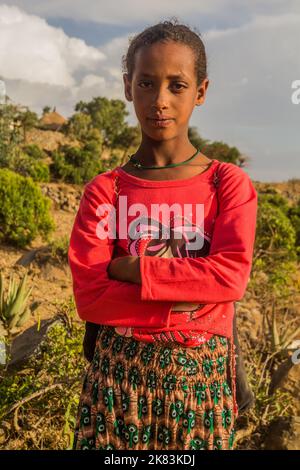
(25, 345)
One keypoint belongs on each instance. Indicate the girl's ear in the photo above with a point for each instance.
(127, 87)
(201, 94)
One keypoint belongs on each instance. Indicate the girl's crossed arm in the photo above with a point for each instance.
(222, 276)
(100, 299)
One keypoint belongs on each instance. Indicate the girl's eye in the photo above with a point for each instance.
(142, 83)
(180, 85)
(174, 84)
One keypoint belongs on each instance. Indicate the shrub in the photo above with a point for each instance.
(26, 165)
(277, 200)
(27, 162)
(24, 210)
(294, 216)
(59, 248)
(292, 212)
(75, 165)
(275, 252)
(275, 231)
(34, 151)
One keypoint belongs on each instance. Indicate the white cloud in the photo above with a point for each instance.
(32, 50)
(120, 11)
(92, 80)
(41, 65)
(117, 11)
(251, 69)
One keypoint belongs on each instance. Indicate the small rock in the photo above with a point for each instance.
(26, 344)
(27, 258)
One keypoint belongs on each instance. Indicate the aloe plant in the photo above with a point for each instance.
(281, 341)
(14, 311)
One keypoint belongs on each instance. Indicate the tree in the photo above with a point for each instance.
(108, 116)
(222, 152)
(46, 110)
(195, 138)
(28, 120)
(10, 133)
(218, 150)
(78, 126)
(129, 138)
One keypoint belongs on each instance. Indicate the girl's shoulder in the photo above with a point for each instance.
(105, 178)
(229, 173)
(233, 183)
(101, 187)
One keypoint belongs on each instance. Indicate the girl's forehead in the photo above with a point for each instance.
(178, 64)
(158, 48)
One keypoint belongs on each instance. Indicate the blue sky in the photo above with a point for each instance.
(62, 51)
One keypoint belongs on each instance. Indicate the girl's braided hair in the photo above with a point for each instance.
(168, 31)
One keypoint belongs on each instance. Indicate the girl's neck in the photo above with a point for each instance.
(197, 166)
(164, 153)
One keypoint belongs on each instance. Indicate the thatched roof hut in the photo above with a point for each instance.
(52, 121)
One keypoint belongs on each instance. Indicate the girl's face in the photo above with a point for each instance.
(164, 84)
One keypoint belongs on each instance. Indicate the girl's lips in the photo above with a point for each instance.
(161, 122)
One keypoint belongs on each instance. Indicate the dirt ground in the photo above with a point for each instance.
(51, 281)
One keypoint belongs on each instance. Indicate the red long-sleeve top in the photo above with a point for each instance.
(216, 208)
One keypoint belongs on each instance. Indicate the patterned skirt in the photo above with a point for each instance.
(156, 396)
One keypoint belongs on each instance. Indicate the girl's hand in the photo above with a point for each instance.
(125, 268)
(185, 307)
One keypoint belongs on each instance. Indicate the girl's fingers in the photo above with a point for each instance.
(184, 307)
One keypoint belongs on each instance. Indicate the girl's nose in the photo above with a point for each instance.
(160, 98)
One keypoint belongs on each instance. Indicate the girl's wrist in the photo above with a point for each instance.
(125, 268)
(134, 269)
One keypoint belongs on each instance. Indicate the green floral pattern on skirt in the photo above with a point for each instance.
(155, 396)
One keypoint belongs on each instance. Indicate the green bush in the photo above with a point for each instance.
(275, 252)
(275, 231)
(294, 216)
(34, 151)
(59, 248)
(277, 200)
(27, 162)
(292, 212)
(76, 165)
(24, 211)
(27, 165)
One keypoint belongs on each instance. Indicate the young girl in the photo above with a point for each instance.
(161, 273)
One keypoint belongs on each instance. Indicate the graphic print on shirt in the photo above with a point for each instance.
(153, 238)
(156, 239)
